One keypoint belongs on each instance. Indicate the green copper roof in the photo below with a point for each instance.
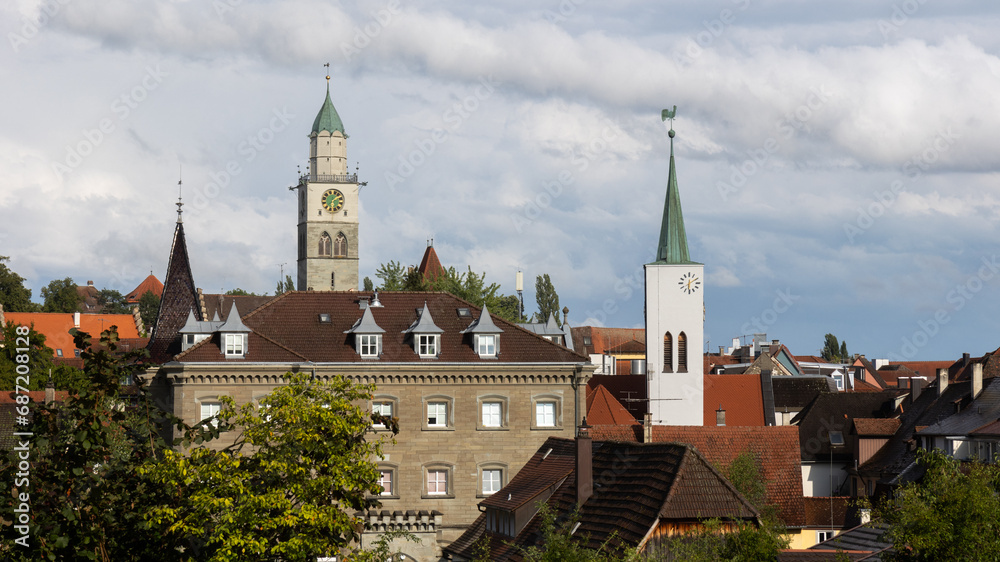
(673, 245)
(327, 118)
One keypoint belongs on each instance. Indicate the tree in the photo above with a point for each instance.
(39, 361)
(14, 296)
(301, 465)
(547, 299)
(149, 307)
(367, 285)
(952, 513)
(285, 286)
(833, 350)
(237, 292)
(392, 275)
(60, 296)
(111, 301)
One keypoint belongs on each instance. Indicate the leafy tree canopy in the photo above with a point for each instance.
(284, 286)
(149, 307)
(833, 350)
(953, 513)
(242, 293)
(40, 362)
(467, 285)
(14, 296)
(112, 302)
(547, 299)
(60, 296)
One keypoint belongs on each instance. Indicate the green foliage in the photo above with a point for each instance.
(284, 286)
(111, 301)
(559, 544)
(368, 285)
(40, 362)
(953, 513)
(86, 498)
(301, 465)
(547, 299)
(834, 350)
(14, 296)
(149, 307)
(392, 275)
(237, 292)
(60, 296)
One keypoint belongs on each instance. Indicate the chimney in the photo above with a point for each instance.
(565, 314)
(90, 283)
(903, 382)
(965, 359)
(916, 385)
(977, 379)
(720, 416)
(584, 464)
(722, 350)
(76, 319)
(647, 428)
(50, 390)
(942, 381)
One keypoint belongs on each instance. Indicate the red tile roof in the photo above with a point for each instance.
(927, 369)
(150, 283)
(55, 326)
(775, 448)
(33, 395)
(288, 328)
(630, 347)
(604, 409)
(430, 265)
(818, 511)
(862, 386)
(710, 361)
(739, 395)
(876, 427)
(603, 339)
(810, 359)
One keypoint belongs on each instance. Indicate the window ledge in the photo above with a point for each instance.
(490, 428)
(437, 496)
(546, 428)
(436, 428)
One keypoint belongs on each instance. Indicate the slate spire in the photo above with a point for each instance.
(178, 301)
(673, 246)
(328, 119)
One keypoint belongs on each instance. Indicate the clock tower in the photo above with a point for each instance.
(675, 317)
(328, 209)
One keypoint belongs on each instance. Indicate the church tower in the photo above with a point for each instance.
(675, 317)
(328, 209)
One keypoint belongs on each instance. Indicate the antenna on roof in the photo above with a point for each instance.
(180, 203)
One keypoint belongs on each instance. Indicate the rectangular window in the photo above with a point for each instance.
(427, 345)
(437, 482)
(382, 409)
(840, 381)
(492, 414)
(491, 481)
(210, 409)
(488, 345)
(545, 414)
(823, 536)
(385, 480)
(369, 344)
(234, 344)
(437, 414)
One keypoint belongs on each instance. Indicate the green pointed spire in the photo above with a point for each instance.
(673, 246)
(327, 118)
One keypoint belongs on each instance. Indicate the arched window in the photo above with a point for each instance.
(340, 246)
(333, 284)
(682, 353)
(325, 244)
(668, 353)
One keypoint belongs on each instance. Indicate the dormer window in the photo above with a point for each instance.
(427, 345)
(369, 345)
(235, 345)
(487, 344)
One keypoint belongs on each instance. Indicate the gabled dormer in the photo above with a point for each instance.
(234, 335)
(195, 331)
(426, 334)
(485, 335)
(367, 335)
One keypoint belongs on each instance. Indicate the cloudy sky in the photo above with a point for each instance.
(837, 161)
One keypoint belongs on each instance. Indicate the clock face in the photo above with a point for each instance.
(333, 200)
(689, 282)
